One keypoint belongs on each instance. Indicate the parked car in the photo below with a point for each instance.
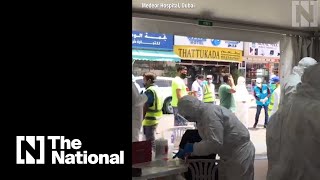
(164, 84)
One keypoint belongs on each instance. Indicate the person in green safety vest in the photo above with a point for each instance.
(275, 96)
(152, 108)
(209, 95)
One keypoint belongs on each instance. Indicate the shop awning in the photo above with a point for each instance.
(149, 55)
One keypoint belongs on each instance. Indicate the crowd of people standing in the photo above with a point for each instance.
(234, 97)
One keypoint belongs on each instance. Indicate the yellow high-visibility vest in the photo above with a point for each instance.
(271, 105)
(154, 113)
(208, 95)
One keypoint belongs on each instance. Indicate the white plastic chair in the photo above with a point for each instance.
(203, 169)
(178, 132)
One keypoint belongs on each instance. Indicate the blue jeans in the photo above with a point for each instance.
(258, 114)
(178, 121)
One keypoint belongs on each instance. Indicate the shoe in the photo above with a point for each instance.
(265, 126)
(254, 126)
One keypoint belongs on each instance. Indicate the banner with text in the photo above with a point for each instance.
(263, 50)
(208, 53)
(193, 41)
(155, 41)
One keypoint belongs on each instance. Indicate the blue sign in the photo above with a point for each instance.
(156, 41)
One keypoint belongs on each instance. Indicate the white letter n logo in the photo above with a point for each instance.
(305, 13)
(30, 150)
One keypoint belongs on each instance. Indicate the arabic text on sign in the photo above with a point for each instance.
(158, 43)
(199, 41)
(140, 35)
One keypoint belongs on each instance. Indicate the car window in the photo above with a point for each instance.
(140, 82)
(163, 83)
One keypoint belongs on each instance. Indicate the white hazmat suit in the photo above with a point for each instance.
(138, 101)
(295, 77)
(293, 134)
(223, 134)
(242, 98)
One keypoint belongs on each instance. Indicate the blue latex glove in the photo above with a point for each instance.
(188, 148)
(179, 154)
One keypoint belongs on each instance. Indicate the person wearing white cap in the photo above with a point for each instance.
(209, 91)
(262, 94)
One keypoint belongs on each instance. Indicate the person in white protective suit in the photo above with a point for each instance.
(138, 101)
(295, 77)
(137, 85)
(293, 134)
(221, 133)
(242, 98)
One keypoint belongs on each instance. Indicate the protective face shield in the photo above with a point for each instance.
(303, 63)
(189, 108)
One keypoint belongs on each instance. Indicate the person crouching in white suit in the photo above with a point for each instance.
(221, 133)
(138, 101)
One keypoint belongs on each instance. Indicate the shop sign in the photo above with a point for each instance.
(193, 41)
(254, 49)
(205, 23)
(207, 53)
(156, 41)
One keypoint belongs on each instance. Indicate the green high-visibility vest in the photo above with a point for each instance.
(208, 95)
(154, 113)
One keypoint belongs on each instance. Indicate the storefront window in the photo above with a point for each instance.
(160, 68)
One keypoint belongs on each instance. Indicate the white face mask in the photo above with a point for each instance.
(259, 85)
(210, 81)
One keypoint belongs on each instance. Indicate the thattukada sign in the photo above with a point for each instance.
(207, 53)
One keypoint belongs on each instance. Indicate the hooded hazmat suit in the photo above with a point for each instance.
(223, 134)
(295, 77)
(242, 98)
(293, 134)
(138, 101)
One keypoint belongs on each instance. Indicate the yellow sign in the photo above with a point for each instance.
(208, 53)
